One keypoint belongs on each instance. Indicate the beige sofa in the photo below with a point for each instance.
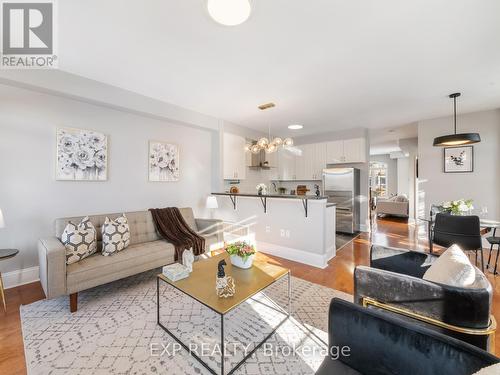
(395, 206)
(147, 251)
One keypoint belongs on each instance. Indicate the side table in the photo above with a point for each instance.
(5, 254)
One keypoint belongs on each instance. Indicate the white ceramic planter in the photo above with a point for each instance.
(238, 261)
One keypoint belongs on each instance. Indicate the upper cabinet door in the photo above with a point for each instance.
(301, 163)
(355, 150)
(286, 165)
(234, 167)
(319, 161)
(335, 152)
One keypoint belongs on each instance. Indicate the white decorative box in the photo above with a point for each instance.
(175, 272)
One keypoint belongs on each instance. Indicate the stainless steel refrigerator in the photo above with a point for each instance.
(341, 186)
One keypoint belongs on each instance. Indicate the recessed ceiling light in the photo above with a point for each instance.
(295, 127)
(229, 12)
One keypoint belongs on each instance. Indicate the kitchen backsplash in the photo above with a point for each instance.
(256, 176)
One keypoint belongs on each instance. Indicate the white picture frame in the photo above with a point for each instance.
(163, 162)
(81, 155)
(458, 159)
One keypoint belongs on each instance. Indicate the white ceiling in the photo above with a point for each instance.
(386, 140)
(327, 64)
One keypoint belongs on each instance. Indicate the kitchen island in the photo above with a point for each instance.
(295, 227)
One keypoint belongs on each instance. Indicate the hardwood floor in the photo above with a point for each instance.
(338, 275)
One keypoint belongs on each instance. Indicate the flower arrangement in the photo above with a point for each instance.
(241, 249)
(163, 162)
(81, 155)
(458, 207)
(261, 189)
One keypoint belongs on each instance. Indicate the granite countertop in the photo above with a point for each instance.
(286, 196)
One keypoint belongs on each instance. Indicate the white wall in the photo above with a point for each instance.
(31, 198)
(482, 185)
(392, 171)
(403, 182)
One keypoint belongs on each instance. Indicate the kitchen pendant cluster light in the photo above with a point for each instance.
(269, 144)
(456, 139)
(229, 12)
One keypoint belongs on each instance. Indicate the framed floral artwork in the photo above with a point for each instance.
(459, 159)
(163, 162)
(82, 155)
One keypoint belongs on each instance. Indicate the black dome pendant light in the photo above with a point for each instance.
(456, 139)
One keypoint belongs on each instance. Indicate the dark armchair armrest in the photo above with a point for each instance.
(382, 344)
(463, 307)
(413, 263)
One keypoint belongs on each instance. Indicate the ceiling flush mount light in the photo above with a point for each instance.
(456, 139)
(229, 12)
(295, 127)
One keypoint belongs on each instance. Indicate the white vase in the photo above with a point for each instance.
(239, 262)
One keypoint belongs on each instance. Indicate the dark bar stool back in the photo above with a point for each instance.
(494, 240)
(465, 231)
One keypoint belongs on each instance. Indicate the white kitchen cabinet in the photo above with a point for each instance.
(286, 165)
(346, 151)
(319, 161)
(335, 152)
(355, 150)
(234, 157)
(310, 160)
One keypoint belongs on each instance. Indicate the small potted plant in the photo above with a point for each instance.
(241, 254)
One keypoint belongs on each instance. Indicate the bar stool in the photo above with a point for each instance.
(493, 240)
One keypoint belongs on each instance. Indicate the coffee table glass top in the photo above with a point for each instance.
(200, 285)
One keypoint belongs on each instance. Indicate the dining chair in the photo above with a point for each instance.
(493, 240)
(465, 231)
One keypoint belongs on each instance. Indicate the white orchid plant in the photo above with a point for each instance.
(458, 207)
(261, 188)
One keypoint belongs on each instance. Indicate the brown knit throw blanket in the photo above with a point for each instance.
(172, 227)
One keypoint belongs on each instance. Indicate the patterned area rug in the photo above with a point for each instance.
(115, 331)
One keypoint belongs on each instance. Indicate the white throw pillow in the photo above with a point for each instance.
(490, 370)
(453, 268)
(115, 235)
(79, 240)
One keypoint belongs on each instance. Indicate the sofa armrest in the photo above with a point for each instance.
(211, 227)
(52, 260)
(463, 307)
(393, 208)
(383, 344)
(412, 263)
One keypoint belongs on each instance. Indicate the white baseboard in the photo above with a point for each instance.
(364, 228)
(301, 256)
(20, 277)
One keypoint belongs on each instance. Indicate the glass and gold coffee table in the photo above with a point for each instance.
(200, 286)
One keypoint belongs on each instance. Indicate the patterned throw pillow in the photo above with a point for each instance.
(80, 240)
(115, 235)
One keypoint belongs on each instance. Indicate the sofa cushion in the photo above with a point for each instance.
(490, 370)
(453, 268)
(115, 235)
(97, 269)
(79, 240)
(187, 214)
(142, 227)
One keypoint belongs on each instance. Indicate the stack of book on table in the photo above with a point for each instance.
(175, 272)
